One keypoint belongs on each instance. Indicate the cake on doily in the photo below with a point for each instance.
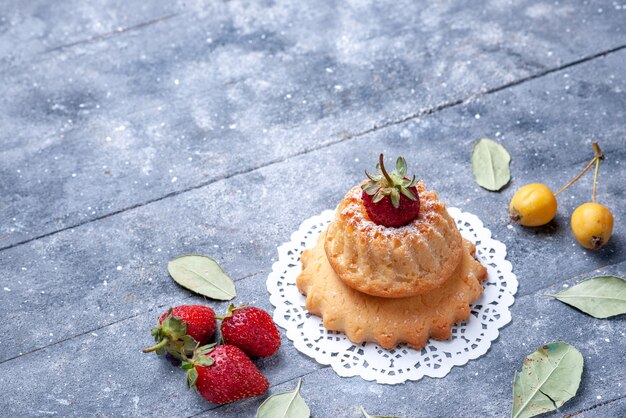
(392, 266)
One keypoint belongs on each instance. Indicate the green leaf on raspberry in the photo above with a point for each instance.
(401, 166)
(395, 198)
(371, 188)
(390, 184)
(408, 193)
(373, 177)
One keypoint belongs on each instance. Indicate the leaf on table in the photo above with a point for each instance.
(201, 274)
(490, 165)
(366, 415)
(600, 296)
(550, 377)
(284, 405)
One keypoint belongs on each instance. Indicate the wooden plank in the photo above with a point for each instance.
(225, 87)
(115, 268)
(104, 373)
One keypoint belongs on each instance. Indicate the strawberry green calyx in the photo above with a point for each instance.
(393, 184)
(200, 358)
(229, 313)
(171, 336)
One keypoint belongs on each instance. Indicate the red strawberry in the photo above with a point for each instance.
(224, 374)
(391, 199)
(182, 329)
(251, 329)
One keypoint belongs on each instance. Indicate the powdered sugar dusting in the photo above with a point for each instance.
(354, 211)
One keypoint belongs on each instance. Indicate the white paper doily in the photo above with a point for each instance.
(470, 339)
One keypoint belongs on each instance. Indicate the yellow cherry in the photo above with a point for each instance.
(533, 205)
(592, 225)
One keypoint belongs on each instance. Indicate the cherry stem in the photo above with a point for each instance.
(161, 344)
(597, 156)
(382, 169)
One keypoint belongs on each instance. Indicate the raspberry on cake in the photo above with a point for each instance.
(393, 261)
(390, 199)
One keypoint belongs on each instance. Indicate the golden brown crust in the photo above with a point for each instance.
(393, 262)
(386, 321)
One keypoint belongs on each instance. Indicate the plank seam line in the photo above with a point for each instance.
(595, 406)
(80, 334)
(252, 275)
(327, 144)
(107, 35)
(575, 277)
(491, 91)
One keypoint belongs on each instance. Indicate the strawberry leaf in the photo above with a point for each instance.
(391, 184)
(378, 197)
(401, 166)
(371, 188)
(395, 198)
(408, 193)
(189, 344)
(192, 376)
(373, 177)
(205, 349)
(205, 361)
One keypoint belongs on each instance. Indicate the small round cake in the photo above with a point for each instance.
(393, 262)
(385, 321)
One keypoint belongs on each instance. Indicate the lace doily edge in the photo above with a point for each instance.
(507, 301)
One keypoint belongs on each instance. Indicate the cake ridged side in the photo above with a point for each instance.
(393, 262)
(385, 321)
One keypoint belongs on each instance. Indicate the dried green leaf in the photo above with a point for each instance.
(401, 166)
(189, 344)
(202, 274)
(373, 177)
(490, 165)
(204, 361)
(550, 376)
(408, 193)
(600, 296)
(378, 196)
(205, 349)
(371, 188)
(366, 415)
(284, 405)
(395, 198)
(191, 377)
